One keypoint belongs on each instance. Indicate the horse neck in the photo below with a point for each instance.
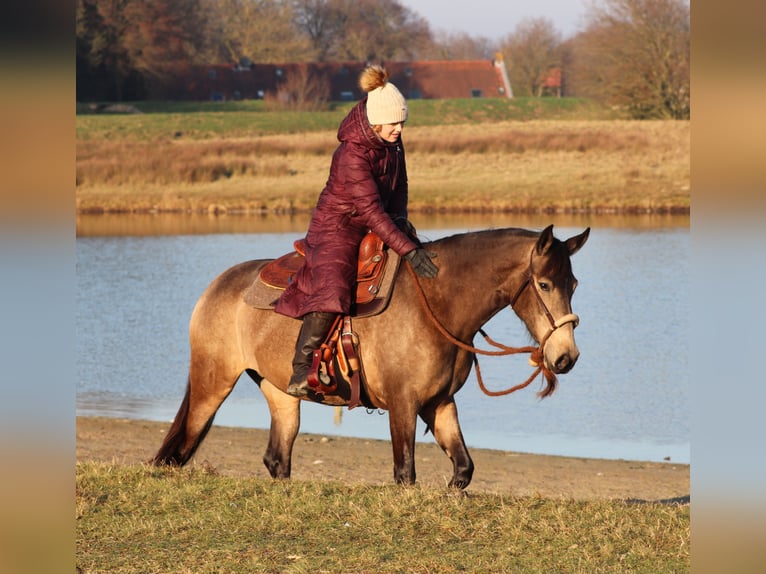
(479, 272)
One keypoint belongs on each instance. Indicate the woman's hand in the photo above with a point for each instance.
(421, 263)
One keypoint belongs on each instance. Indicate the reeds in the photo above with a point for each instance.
(555, 166)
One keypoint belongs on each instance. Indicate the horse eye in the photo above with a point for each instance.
(544, 286)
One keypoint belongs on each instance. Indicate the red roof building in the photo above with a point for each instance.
(424, 79)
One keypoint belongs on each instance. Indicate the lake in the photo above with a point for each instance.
(138, 279)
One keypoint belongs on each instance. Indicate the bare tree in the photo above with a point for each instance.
(259, 30)
(531, 52)
(322, 21)
(636, 54)
(459, 46)
(361, 30)
(302, 90)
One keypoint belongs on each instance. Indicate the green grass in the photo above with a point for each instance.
(142, 519)
(249, 118)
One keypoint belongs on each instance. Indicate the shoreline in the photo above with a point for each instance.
(237, 451)
(146, 224)
(681, 210)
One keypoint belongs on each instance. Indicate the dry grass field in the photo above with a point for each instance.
(552, 166)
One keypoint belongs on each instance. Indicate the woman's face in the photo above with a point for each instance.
(391, 132)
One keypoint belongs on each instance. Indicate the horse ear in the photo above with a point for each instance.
(545, 240)
(574, 243)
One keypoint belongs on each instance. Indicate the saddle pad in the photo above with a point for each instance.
(261, 295)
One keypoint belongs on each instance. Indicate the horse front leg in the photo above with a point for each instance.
(285, 422)
(402, 420)
(443, 422)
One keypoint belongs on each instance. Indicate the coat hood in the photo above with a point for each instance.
(355, 128)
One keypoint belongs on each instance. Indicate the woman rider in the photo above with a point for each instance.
(366, 190)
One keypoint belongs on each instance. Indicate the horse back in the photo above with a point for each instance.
(228, 288)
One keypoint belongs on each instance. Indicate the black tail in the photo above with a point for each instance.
(171, 452)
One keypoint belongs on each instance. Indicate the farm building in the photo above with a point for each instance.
(338, 81)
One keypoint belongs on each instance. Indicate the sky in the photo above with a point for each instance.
(495, 19)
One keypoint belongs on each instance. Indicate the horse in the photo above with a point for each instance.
(415, 355)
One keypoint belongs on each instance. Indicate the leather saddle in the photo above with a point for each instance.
(376, 270)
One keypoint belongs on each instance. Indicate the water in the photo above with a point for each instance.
(627, 397)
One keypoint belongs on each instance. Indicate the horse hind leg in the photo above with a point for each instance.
(175, 449)
(443, 421)
(193, 420)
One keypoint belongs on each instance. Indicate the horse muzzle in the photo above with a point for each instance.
(564, 362)
(560, 351)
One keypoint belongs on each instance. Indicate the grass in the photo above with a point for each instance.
(143, 519)
(524, 155)
(200, 120)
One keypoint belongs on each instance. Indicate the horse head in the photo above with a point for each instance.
(543, 300)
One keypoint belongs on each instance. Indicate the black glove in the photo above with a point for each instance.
(421, 263)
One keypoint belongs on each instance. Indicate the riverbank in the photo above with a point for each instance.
(237, 452)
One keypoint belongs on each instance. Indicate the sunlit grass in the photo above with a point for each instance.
(555, 166)
(141, 519)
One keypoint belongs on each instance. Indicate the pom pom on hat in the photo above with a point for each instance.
(385, 103)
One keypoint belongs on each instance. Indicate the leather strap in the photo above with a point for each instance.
(349, 365)
(347, 340)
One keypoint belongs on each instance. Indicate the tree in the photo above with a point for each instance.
(531, 52)
(636, 54)
(361, 30)
(136, 45)
(459, 46)
(102, 29)
(322, 22)
(259, 30)
(164, 38)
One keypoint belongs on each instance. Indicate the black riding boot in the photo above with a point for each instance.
(313, 333)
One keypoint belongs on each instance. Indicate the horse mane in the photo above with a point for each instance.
(468, 248)
(485, 235)
(558, 263)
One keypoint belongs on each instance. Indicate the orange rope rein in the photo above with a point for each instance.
(536, 354)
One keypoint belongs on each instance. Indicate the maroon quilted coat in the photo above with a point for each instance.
(366, 189)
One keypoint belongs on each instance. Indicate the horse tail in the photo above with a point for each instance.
(172, 451)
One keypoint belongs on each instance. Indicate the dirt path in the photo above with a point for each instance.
(238, 452)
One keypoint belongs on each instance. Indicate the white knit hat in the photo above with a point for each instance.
(385, 103)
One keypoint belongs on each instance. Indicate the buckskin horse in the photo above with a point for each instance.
(415, 356)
